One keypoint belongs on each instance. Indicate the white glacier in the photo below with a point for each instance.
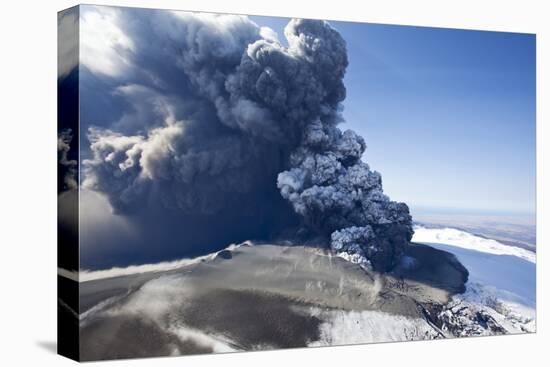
(465, 240)
(502, 280)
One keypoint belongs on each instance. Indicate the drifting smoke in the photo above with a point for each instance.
(238, 123)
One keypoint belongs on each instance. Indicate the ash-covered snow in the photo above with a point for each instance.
(348, 305)
(86, 275)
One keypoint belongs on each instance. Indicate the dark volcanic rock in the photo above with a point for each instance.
(437, 268)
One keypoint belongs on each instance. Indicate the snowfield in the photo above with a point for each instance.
(358, 327)
(502, 280)
(465, 240)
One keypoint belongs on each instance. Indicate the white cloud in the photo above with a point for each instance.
(269, 34)
(67, 41)
(103, 45)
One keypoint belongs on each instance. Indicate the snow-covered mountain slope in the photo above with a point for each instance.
(501, 285)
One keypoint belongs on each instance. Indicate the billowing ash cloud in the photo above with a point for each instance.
(215, 121)
(67, 168)
(195, 152)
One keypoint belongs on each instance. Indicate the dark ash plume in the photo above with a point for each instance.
(297, 92)
(239, 128)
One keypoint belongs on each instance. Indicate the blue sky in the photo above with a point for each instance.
(448, 115)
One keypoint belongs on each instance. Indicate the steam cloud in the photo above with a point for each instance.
(217, 120)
